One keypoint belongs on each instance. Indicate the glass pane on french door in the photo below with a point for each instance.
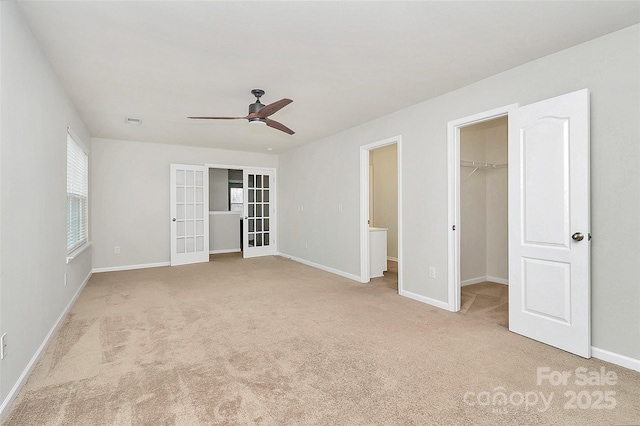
(257, 207)
(258, 232)
(189, 208)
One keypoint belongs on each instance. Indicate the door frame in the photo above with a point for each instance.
(274, 195)
(365, 272)
(453, 185)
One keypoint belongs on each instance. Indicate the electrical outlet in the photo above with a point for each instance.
(306, 245)
(116, 250)
(3, 346)
(340, 208)
(432, 272)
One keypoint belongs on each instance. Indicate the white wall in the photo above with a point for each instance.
(219, 190)
(131, 196)
(224, 232)
(385, 194)
(319, 177)
(473, 206)
(325, 173)
(35, 114)
(496, 143)
(2, 397)
(484, 244)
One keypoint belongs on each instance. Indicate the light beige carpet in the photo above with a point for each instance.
(489, 300)
(272, 342)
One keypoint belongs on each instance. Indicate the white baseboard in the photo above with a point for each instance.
(392, 259)
(224, 251)
(498, 280)
(472, 281)
(322, 267)
(614, 358)
(425, 299)
(130, 267)
(478, 280)
(34, 359)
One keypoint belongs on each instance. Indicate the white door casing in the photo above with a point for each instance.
(549, 224)
(189, 205)
(259, 228)
(371, 219)
(453, 156)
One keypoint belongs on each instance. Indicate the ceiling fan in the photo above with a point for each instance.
(258, 113)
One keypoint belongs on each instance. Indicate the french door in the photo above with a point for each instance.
(259, 213)
(189, 198)
(549, 228)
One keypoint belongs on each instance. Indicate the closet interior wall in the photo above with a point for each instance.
(484, 254)
(383, 198)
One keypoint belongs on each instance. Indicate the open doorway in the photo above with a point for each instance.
(383, 215)
(484, 240)
(381, 212)
(242, 214)
(485, 137)
(225, 211)
(548, 216)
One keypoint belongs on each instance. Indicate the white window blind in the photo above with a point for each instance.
(77, 194)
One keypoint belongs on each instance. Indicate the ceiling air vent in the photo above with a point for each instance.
(132, 120)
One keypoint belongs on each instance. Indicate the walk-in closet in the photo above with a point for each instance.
(484, 255)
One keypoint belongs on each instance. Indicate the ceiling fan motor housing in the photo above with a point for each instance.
(256, 106)
(253, 108)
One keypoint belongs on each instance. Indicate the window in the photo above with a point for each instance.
(77, 194)
(235, 198)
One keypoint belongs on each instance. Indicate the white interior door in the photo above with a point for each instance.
(549, 253)
(259, 213)
(189, 214)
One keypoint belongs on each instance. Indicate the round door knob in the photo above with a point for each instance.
(577, 236)
(174, 219)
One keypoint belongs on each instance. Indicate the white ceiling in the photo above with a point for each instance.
(343, 63)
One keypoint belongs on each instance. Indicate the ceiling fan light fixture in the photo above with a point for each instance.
(258, 120)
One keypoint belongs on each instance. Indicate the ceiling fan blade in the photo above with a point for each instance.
(217, 118)
(279, 126)
(273, 108)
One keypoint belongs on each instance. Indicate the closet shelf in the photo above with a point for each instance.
(479, 166)
(482, 166)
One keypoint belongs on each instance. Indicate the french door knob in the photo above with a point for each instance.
(577, 236)
(174, 219)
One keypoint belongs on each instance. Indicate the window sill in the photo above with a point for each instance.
(77, 252)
